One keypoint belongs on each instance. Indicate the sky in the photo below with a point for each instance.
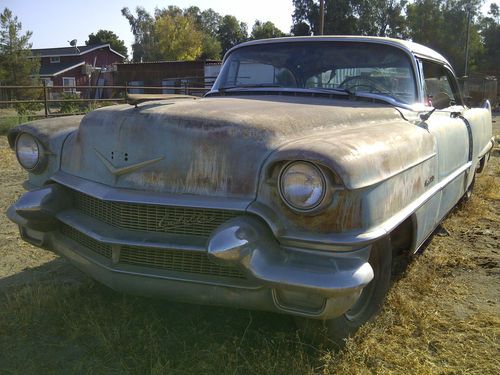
(55, 22)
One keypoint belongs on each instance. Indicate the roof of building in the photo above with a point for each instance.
(70, 51)
(406, 45)
(178, 62)
(56, 69)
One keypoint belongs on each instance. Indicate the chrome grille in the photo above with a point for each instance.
(185, 261)
(91, 244)
(153, 218)
(176, 260)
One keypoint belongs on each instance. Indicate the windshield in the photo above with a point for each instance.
(338, 66)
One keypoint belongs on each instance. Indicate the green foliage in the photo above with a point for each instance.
(211, 48)
(490, 33)
(439, 24)
(207, 22)
(380, 17)
(142, 27)
(231, 32)
(263, 30)
(442, 25)
(70, 107)
(9, 118)
(177, 36)
(108, 37)
(17, 66)
(174, 34)
(348, 17)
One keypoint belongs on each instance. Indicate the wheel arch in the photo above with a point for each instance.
(403, 238)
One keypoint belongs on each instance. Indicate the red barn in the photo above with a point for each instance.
(78, 66)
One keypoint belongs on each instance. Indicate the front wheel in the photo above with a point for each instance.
(338, 329)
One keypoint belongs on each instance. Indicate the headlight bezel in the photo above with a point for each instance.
(321, 202)
(41, 160)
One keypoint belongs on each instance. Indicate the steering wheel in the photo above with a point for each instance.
(363, 81)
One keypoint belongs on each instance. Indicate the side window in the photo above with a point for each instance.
(440, 87)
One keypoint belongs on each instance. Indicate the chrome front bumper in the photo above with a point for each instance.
(317, 284)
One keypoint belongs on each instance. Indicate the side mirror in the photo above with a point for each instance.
(441, 100)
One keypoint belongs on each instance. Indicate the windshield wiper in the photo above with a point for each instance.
(336, 89)
(380, 97)
(249, 86)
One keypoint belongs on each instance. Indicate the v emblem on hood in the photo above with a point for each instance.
(124, 170)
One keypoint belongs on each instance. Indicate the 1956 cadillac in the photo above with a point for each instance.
(290, 187)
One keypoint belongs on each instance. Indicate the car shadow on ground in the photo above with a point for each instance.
(56, 308)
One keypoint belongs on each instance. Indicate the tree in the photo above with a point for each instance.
(178, 38)
(207, 23)
(364, 17)
(490, 33)
(442, 25)
(17, 65)
(305, 17)
(174, 34)
(142, 27)
(380, 17)
(108, 37)
(231, 32)
(263, 30)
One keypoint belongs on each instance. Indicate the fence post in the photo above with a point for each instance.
(46, 105)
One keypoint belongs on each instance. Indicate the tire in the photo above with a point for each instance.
(337, 330)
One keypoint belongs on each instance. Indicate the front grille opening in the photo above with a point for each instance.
(153, 218)
(86, 241)
(176, 260)
(183, 261)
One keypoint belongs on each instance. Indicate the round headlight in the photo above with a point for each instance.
(27, 151)
(302, 185)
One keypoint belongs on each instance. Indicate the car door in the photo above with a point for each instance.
(452, 132)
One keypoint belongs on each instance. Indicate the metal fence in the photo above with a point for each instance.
(478, 88)
(28, 103)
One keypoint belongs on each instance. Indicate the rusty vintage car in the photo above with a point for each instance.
(290, 187)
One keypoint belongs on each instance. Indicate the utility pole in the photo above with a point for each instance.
(468, 9)
(321, 16)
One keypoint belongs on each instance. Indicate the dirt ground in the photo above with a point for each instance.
(442, 314)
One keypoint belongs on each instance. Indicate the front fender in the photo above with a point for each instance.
(51, 133)
(381, 169)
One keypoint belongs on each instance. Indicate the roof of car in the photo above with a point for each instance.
(406, 45)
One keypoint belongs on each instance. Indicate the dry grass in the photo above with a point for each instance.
(440, 317)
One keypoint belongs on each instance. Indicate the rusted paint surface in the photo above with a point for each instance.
(366, 154)
(51, 133)
(47, 130)
(213, 146)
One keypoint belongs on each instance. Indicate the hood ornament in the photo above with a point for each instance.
(124, 170)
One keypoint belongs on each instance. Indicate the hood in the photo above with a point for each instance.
(209, 146)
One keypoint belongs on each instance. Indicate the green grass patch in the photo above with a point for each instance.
(9, 118)
(72, 329)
